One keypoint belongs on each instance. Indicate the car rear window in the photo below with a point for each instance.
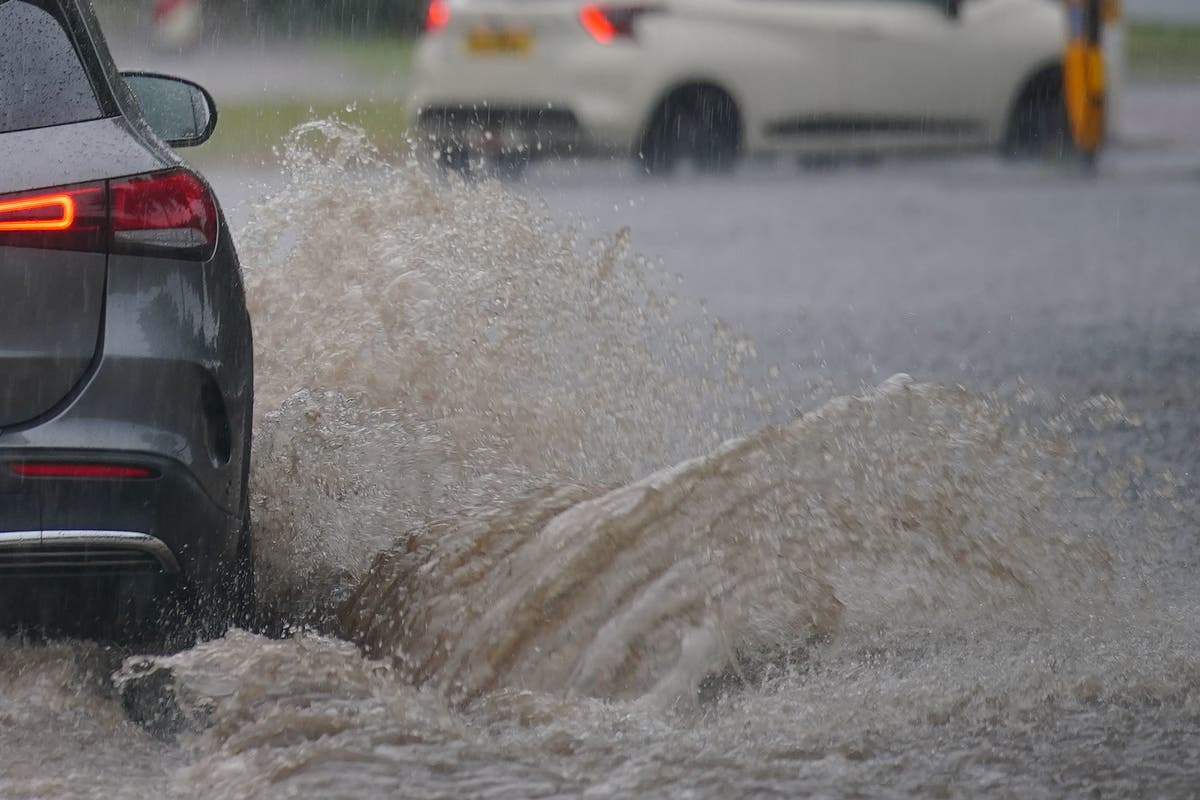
(42, 80)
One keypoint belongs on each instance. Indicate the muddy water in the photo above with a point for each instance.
(549, 539)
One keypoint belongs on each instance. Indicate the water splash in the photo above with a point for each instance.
(424, 348)
(911, 499)
(448, 378)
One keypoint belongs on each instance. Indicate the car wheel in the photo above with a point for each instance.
(509, 165)
(193, 613)
(243, 597)
(700, 124)
(233, 605)
(1038, 125)
(451, 157)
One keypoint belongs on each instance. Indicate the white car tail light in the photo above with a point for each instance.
(437, 16)
(608, 22)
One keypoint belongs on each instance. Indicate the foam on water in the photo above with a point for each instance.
(61, 735)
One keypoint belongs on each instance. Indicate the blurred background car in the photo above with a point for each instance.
(708, 80)
(177, 23)
(126, 367)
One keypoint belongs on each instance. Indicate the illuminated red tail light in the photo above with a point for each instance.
(437, 16)
(65, 218)
(102, 471)
(169, 213)
(604, 23)
(51, 212)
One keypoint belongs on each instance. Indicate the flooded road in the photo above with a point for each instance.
(575, 511)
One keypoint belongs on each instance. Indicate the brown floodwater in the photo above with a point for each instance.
(538, 527)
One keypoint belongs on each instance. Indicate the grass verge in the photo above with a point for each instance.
(381, 58)
(1158, 51)
(252, 133)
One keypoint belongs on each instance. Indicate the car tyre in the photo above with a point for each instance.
(700, 124)
(451, 157)
(243, 598)
(1038, 126)
(509, 165)
(234, 604)
(192, 613)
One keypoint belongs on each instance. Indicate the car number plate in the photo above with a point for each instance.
(510, 42)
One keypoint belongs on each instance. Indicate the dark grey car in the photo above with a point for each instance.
(125, 349)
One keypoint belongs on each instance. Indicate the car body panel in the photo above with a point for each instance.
(81, 152)
(172, 338)
(47, 346)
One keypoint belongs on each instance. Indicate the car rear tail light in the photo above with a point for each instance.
(171, 211)
(608, 22)
(66, 218)
(437, 16)
(166, 213)
(101, 471)
(52, 212)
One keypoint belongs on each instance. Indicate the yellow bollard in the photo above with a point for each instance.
(1083, 73)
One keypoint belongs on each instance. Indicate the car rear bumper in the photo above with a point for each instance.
(56, 554)
(594, 98)
(164, 524)
(501, 129)
(526, 124)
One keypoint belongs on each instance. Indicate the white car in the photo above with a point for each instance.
(707, 80)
